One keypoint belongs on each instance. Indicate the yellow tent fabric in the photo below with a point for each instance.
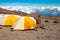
(9, 19)
(24, 23)
(29, 23)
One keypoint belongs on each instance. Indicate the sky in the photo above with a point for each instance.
(29, 2)
(29, 6)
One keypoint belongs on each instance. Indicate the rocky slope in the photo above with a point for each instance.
(52, 18)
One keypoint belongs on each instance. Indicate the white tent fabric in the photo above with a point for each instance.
(24, 23)
(1, 16)
(19, 24)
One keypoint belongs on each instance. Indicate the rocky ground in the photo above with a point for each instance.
(49, 31)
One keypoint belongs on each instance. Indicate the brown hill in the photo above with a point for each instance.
(5, 11)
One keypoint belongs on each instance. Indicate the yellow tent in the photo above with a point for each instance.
(9, 19)
(18, 22)
(24, 23)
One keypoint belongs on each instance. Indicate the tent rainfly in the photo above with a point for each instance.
(24, 23)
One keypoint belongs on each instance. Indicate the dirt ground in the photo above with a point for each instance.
(51, 32)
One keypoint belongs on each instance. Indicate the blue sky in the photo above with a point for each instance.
(30, 2)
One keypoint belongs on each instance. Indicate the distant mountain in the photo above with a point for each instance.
(48, 12)
(43, 11)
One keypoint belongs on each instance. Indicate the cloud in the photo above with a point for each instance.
(29, 9)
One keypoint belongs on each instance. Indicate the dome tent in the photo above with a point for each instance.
(18, 22)
(24, 23)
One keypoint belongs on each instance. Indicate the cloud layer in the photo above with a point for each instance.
(30, 9)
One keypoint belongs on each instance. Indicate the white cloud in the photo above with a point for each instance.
(28, 9)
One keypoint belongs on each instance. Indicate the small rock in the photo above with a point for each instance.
(42, 27)
(46, 21)
(55, 22)
(35, 29)
(11, 29)
(38, 38)
(0, 28)
(58, 30)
